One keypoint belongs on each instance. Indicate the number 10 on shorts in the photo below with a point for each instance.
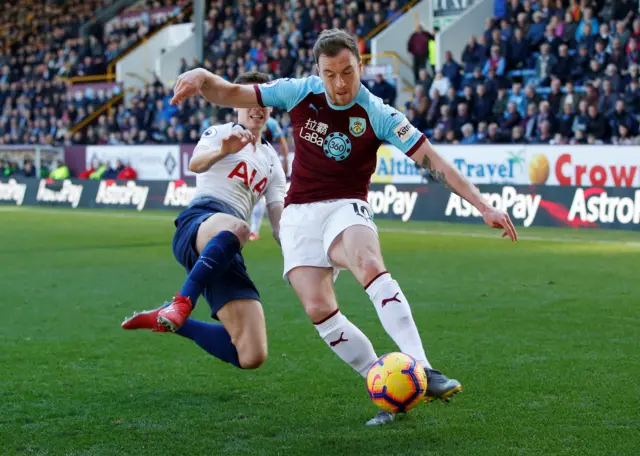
(362, 211)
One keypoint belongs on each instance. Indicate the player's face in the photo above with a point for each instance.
(253, 118)
(341, 76)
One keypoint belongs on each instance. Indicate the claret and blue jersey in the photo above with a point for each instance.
(335, 146)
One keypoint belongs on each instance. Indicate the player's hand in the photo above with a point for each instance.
(188, 84)
(500, 219)
(237, 141)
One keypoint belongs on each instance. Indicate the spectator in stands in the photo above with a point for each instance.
(620, 116)
(418, 47)
(440, 84)
(518, 52)
(468, 136)
(565, 120)
(482, 106)
(596, 124)
(608, 98)
(511, 118)
(495, 62)
(545, 133)
(463, 117)
(555, 96)
(472, 56)
(493, 135)
(382, 89)
(451, 70)
(564, 64)
(623, 137)
(530, 97)
(517, 97)
(545, 64)
(517, 136)
(587, 19)
(500, 104)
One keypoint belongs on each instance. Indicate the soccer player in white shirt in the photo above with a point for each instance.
(235, 168)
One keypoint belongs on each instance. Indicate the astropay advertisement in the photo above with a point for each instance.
(601, 166)
(528, 205)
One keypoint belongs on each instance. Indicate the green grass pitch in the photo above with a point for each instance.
(544, 336)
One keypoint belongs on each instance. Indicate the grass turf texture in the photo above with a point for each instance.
(543, 335)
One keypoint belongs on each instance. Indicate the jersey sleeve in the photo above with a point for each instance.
(283, 93)
(276, 188)
(395, 128)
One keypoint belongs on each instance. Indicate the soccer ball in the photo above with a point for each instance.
(396, 382)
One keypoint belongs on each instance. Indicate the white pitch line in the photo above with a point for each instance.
(418, 231)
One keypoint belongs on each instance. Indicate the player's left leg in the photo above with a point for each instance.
(256, 218)
(354, 245)
(239, 339)
(206, 246)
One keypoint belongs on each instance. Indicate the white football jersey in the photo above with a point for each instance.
(241, 179)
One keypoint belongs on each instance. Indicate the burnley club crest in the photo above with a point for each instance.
(357, 126)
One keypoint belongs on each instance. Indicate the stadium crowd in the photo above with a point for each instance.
(547, 71)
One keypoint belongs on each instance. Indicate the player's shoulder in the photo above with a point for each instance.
(217, 132)
(308, 84)
(382, 116)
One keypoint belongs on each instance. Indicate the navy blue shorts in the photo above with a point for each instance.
(235, 282)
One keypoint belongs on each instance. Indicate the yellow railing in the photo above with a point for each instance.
(384, 25)
(90, 118)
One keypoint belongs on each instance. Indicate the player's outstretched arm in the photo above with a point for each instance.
(274, 210)
(205, 157)
(450, 177)
(214, 89)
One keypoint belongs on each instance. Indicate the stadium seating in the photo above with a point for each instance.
(535, 44)
(543, 57)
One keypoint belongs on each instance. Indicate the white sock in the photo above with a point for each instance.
(395, 315)
(256, 216)
(348, 342)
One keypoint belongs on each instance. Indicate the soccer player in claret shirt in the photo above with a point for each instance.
(235, 168)
(326, 225)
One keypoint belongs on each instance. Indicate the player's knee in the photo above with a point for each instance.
(368, 264)
(318, 309)
(252, 357)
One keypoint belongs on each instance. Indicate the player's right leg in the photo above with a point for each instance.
(205, 245)
(314, 287)
(256, 219)
(307, 268)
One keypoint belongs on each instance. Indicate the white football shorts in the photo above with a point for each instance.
(307, 231)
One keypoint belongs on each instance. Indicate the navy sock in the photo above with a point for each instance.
(211, 337)
(212, 263)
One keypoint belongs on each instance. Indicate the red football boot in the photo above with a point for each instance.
(174, 315)
(145, 320)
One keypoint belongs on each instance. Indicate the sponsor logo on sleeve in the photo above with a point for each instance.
(404, 130)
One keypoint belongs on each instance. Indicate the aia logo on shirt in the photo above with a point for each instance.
(242, 171)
